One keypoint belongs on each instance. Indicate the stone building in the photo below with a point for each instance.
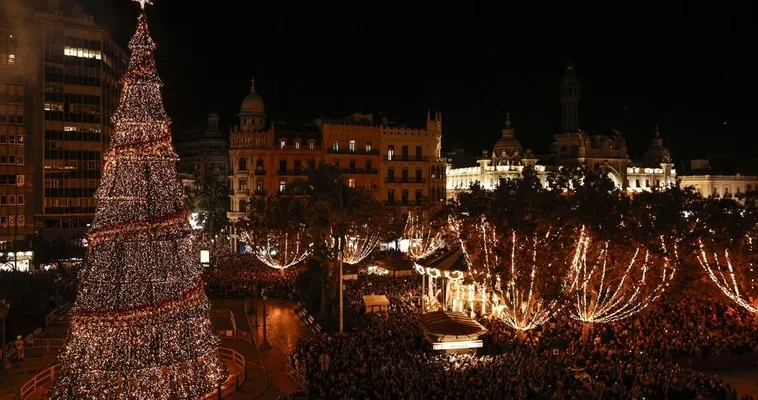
(573, 147)
(204, 152)
(397, 165)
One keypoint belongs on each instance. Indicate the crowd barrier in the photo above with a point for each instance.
(308, 319)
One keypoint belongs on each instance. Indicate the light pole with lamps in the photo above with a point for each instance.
(265, 345)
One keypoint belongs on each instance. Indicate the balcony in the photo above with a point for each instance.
(354, 152)
(372, 171)
(241, 192)
(260, 171)
(259, 193)
(404, 180)
(405, 203)
(241, 172)
(405, 158)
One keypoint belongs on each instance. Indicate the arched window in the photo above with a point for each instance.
(259, 165)
(243, 164)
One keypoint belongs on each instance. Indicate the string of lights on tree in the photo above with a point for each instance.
(423, 238)
(280, 249)
(357, 243)
(140, 327)
(732, 273)
(605, 290)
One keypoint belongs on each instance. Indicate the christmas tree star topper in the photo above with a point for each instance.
(142, 3)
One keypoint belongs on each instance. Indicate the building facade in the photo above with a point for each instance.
(204, 152)
(709, 178)
(573, 147)
(397, 165)
(64, 77)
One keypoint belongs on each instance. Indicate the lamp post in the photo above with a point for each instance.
(5, 307)
(265, 345)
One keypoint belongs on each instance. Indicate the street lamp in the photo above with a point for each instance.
(5, 307)
(205, 258)
(265, 345)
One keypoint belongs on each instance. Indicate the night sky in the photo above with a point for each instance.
(690, 71)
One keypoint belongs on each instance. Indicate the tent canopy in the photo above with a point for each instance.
(450, 325)
(376, 300)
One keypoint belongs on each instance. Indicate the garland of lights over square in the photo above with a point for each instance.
(140, 327)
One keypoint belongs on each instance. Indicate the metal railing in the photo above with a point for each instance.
(232, 384)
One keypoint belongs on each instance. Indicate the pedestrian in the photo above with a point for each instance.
(19, 343)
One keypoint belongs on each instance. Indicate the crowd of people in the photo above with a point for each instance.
(236, 274)
(635, 358)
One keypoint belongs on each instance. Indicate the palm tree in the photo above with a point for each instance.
(211, 203)
(333, 209)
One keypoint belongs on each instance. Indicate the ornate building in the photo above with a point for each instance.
(397, 165)
(573, 147)
(204, 152)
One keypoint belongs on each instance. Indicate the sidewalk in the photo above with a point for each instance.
(283, 327)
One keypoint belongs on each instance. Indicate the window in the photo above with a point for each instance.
(311, 145)
(351, 182)
(405, 152)
(418, 153)
(391, 196)
(243, 164)
(20, 160)
(259, 186)
(352, 165)
(390, 175)
(282, 165)
(282, 185)
(336, 145)
(259, 165)
(368, 184)
(390, 152)
(297, 144)
(242, 184)
(368, 147)
(368, 166)
(12, 200)
(405, 174)
(283, 143)
(352, 146)
(418, 175)
(20, 200)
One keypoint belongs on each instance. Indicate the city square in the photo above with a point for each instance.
(350, 258)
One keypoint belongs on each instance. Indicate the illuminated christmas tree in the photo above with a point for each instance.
(140, 327)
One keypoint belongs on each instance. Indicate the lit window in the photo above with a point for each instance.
(283, 143)
(297, 144)
(311, 145)
(336, 145)
(351, 182)
(368, 147)
(282, 185)
(352, 146)
(390, 153)
(82, 53)
(69, 128)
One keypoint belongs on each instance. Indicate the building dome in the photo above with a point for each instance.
(252, 103)
(657, 153)
(507, 142)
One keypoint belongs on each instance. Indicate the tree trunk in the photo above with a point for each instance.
(586, 331)
(520, 334)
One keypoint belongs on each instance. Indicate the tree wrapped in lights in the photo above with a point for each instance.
(140, 327)
(518, 252)
(612, 282)
(279, 235)
(424, 238)
(726, 249)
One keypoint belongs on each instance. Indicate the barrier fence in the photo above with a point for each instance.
(45, 378)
